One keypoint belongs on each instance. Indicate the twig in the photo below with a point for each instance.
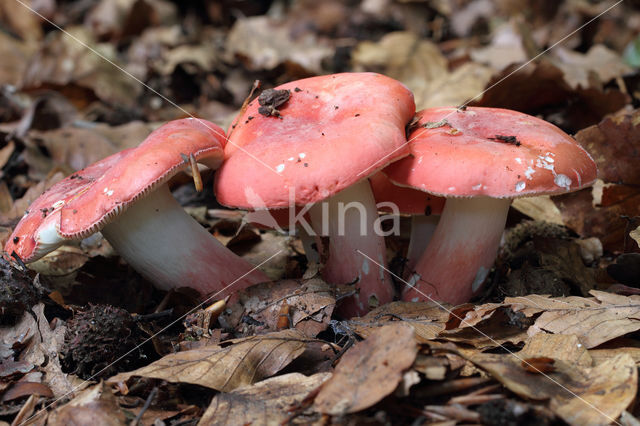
(145, 407)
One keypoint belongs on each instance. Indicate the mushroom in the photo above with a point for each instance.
(480, 158)
(424, 209)
(322, 144)
(126, 197)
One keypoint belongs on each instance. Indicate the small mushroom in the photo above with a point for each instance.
(126, 197)
(480, 159)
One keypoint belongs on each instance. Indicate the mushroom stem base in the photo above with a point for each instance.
(169, 248)
(348, 220)
(461, 252)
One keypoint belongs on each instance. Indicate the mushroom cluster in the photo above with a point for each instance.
(315, 156)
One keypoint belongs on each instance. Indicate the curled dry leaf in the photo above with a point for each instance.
(368, 371)
(240, 362)
(41, 348)
(310, 304)
(580, 396)
(95, 405)
(426, 318)
(269, 401)
(605, 318)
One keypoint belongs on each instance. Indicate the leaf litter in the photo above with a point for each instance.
(563, 301)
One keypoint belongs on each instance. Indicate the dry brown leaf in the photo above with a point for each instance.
(538, 87)
(580, 396)
(499, 327)
(21, 19)
(635, 235)
(242, 362)
(95, 405)
(607, 317)
(266, 402)
(368, 371)
(420, 65)
(426, 318)
(592, 69)
(265, 43)
(539, 208)
(62, 61)
(614, 144)
(505, 48)
(563, 347)
(309, 305)
(42, 348)
(14, 56)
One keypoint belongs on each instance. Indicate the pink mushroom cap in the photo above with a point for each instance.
(473, 154)
(333, 132)
(84, 202)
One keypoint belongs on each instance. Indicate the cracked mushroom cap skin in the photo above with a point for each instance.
(491, 152)
(333, 131)
(84, 202)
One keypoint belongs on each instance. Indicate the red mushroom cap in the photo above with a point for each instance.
(332, 132)
(87, 200)
(491, 152)
(44, 212)
(141, 171)
(408, 200)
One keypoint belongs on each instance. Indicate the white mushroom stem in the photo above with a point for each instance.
(348, 220)
(169, 248)
(463, 248)
(422, 229)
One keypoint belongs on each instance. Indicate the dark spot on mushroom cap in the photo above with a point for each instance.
(15, 240)
(306, 164)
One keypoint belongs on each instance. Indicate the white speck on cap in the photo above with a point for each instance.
(279, 168)
(563, 181)
(520, 186)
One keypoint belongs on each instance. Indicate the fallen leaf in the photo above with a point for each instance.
(42, 349)
(426, 318)
(265, 43)
(62, 61)
(21, 19)
(15, 56)
(635, 235)
(95, 405)
(580, 396)
(608, 316)
(420, 65)
(368, 371)
(592, 69)
(310, 304)
(614, 144)
(498, 328)
(539, 87)
(560, 347)
(505, 48)
(225, 368)
(269, 401)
